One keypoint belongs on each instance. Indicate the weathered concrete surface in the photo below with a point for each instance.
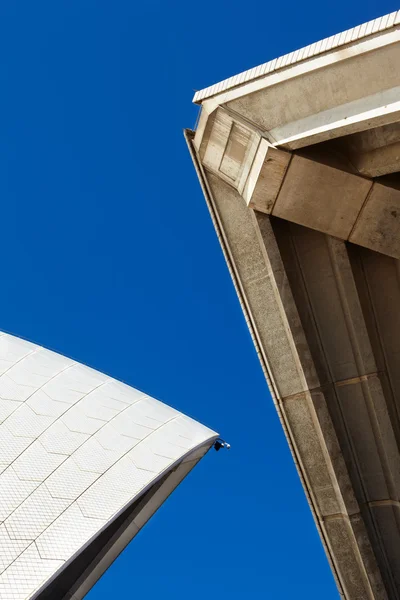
(374, 152)
(266, 176)
(327, 381)
(303, 395)
(329, 102)
(321, 197)
(300, 169)
(317, 187)
(378, 224)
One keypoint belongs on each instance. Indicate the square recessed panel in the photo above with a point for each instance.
(235, 151)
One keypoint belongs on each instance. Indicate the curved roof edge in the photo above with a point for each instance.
(330, 43)
(76, 577)
(86, 460)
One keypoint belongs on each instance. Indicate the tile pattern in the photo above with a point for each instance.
(76, 448)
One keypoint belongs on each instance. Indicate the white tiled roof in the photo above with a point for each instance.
(76, 448)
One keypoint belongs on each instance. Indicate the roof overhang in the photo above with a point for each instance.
(299, 161)
(330, 48)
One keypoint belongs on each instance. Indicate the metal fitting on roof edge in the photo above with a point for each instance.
(218, 444)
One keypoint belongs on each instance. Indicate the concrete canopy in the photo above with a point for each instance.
(299, 161)
(85, 461)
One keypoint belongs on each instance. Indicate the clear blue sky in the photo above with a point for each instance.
(108, 255)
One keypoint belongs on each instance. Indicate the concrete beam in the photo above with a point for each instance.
(378, 224)
(371, 111)
(321, 197)
(311, 188)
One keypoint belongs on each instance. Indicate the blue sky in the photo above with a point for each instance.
(109, 256)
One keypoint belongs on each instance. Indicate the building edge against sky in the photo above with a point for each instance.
(299, 162)
(86, 460)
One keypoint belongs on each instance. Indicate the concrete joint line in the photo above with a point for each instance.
(354, 380)
(361, 211)
(387, 502)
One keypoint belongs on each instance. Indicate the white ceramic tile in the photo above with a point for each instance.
(12, 350)
(105, 505)
(14, 390)
(122, 392)
(46, 363)
(86, 379)
(13, 492)
(11, 446)
(42, 404)
(68, 481)
(36, 513)
(155, 410)
(77, 421)
(26, 575)
(36, 464)
(76, 447)
(91, 456)
(21, 375)
(113, 490)
(190, 429)
(106, 398)
(7, 407)
(26, 423)
(140, 413)
(93, 406)
(54, 543)
(10, 549)
(126, 426)
(111, 439)
(144, 458)
(61, 388)
(61, 440)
